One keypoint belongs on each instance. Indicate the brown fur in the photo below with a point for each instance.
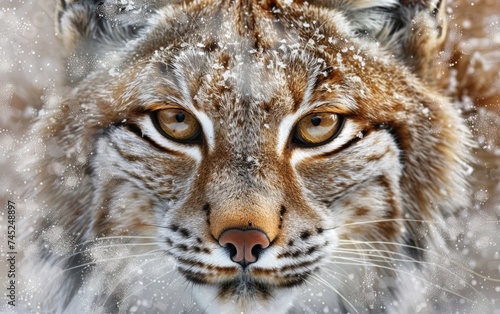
(246, 67)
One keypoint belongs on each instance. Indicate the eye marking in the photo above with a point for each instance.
(317, 129)
(147, 128)
(177, 125)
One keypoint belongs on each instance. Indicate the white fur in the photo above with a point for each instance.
(149, 129)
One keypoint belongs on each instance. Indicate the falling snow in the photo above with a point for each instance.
(32, 75)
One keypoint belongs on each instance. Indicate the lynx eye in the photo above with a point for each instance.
(177, 125)
(317, 129)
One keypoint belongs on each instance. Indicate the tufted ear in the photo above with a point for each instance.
(412, 30)
(88, 29)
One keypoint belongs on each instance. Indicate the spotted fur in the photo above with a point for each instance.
(130, 206)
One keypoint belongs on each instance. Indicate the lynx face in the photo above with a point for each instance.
(257, 145)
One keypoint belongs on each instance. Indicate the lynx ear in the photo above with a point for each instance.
(413, 30)
(90, 28)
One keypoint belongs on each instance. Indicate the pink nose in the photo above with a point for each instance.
(244, 245)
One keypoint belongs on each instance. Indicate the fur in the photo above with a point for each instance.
(128, 217)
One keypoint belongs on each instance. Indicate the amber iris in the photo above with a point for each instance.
(178, 124)
(317, 128)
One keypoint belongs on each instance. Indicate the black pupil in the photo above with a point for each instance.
(180, 117)
(316, 120)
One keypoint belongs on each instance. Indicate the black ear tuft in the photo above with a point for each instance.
(90, 28)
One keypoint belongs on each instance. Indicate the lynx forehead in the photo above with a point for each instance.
(253, 146)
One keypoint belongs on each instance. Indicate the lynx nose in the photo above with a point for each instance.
(244, 245)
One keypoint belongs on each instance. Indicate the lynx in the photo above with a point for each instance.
(241, 156)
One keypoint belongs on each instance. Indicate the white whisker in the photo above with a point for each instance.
(354, 262)
(327, 284)
(455, 263)
(93, 248)
(150, 283)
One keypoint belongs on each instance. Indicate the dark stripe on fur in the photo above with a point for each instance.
(346, 145)
(137, 131)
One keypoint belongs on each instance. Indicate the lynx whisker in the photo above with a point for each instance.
(150, 283)
(126, 278)
(327, 284)
(99, 247)
(448, 259)
(375, 221)
(355, 262)
(106, 260)
(120, 238)
(408, 259)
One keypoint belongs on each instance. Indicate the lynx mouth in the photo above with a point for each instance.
(253, 279)
(245, 282)
(246, 287)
